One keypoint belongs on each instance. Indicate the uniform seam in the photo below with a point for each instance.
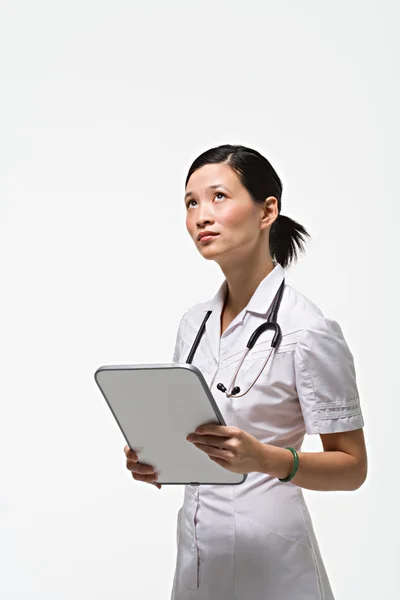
(201, 349)
(341, 403)
(321, 595)
(234, 543)
(315, 403)
(341, 412)
(270, 531)
(203, 339)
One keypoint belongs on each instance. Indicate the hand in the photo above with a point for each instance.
(140, 471)
(231, 447)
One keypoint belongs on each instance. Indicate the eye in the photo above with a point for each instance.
(220, 194)
(216, 194)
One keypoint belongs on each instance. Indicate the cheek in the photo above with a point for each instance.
(236, 218)
(190, 225)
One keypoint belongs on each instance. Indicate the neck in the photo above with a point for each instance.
(243, 280)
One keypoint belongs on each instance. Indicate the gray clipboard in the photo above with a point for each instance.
(156, 406)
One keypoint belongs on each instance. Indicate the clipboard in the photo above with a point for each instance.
(156, 406)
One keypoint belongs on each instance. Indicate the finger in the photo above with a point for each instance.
(131, 454)
(145, 478)
(225, 455)
(233, 445)
(220, 430)
(211, 440)
(137, 467)
(157, 485)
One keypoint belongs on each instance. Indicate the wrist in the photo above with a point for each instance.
(275, 461)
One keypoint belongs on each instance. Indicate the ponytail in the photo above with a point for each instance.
(286, 238)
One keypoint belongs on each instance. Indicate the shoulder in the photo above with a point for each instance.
(313, 330)
(192, 318)
(297, 312)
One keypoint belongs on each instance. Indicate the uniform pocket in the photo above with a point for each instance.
(271, 565)
(187, 568)
(255, 360)
(256, 355)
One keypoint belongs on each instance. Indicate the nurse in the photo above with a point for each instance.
(256, 541)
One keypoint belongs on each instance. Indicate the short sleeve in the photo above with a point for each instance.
(326, 379)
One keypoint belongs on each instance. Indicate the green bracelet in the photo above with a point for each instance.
(295, 466)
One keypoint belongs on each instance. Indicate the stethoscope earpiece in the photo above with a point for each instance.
(222, 388)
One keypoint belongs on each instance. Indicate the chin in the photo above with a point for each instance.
(208, 253)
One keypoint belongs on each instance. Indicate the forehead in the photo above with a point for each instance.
(212, 174)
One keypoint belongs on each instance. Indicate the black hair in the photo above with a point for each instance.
(261, 180)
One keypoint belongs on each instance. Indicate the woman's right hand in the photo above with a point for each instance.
(140, 471)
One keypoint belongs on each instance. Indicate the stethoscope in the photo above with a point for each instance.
(271, 323)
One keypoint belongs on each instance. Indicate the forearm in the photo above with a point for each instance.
(333, 470)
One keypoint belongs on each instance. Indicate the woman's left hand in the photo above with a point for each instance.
(231, 447)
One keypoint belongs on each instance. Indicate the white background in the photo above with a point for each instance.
(103, 107)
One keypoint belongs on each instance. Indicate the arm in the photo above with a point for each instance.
(328, 395)
(341, 466)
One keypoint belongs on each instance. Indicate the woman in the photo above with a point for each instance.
(255, 541)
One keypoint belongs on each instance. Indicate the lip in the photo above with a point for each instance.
(207, 238)
(207, 234)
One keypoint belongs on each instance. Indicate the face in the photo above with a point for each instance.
(217, 201)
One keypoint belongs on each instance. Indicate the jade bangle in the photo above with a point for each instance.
(295, 466)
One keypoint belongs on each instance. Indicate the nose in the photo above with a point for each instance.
(204, 216)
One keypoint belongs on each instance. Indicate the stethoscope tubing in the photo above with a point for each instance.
(271, 323)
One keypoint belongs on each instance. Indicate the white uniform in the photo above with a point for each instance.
(255, 541)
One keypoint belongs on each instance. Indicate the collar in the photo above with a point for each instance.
(262, 298)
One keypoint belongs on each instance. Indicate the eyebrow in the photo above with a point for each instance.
(210, 187)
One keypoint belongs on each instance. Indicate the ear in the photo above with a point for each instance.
(270, 212)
